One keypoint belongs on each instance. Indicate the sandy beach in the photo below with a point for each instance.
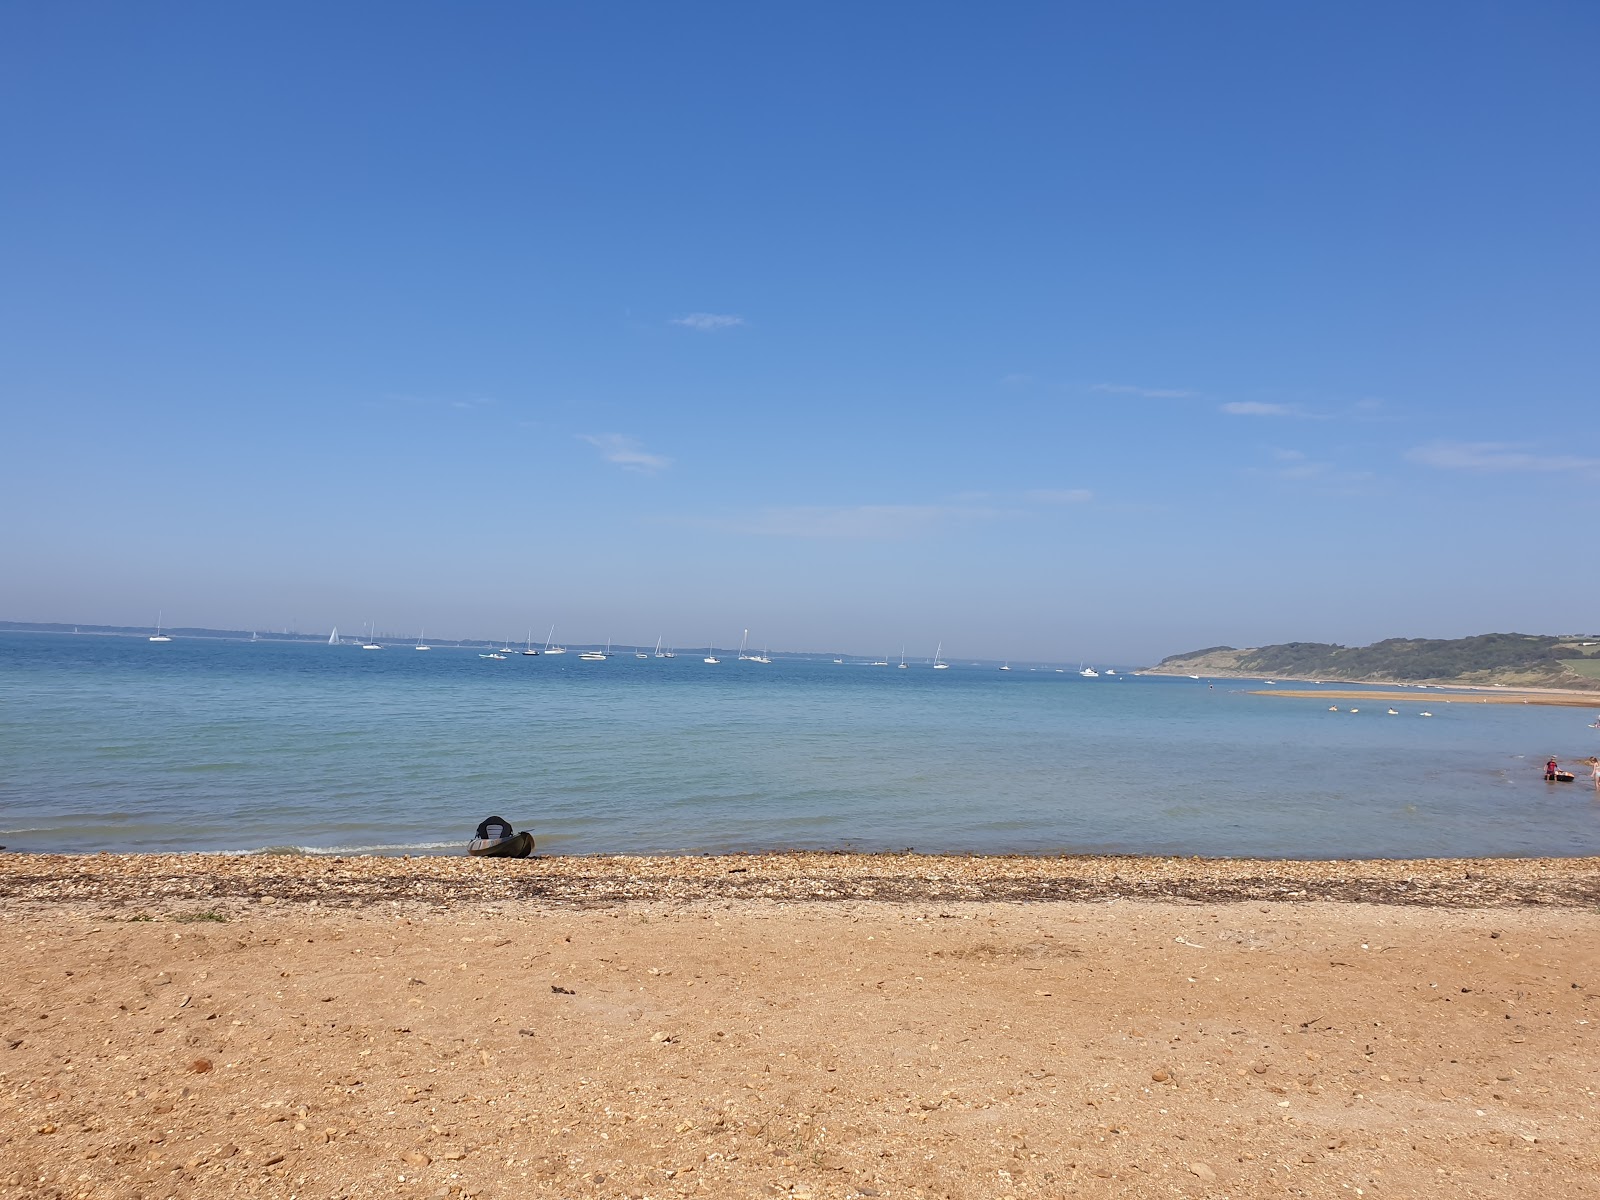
(798, 1025)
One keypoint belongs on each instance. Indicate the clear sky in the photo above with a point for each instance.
(1050, 331)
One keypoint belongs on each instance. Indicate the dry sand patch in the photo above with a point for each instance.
(746, 1048)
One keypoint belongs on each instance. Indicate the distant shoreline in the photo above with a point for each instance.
(1472, 695)
(1581, 698)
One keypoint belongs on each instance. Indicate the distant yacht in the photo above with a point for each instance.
(597, 655)
(158, 636)
(1088, 672)
(1006, 667)
(528, 649)
(372, 639)
(493, 654)
(710, 657)
(549, 643)
(333, 638)
(884, 662)
(937, 665)
(903, 666)
(421, 642)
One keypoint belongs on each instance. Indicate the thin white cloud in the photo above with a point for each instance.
(625, 452)
(703, 322)
(1126, 389)
(1254, 408)
(1060, 495)
(861, 522)
(1496, 456)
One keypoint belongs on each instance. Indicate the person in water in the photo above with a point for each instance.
(1550, 769)
(1594, 767)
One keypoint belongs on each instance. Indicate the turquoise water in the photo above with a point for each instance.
(113, 743)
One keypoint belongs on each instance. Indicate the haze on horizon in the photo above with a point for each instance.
(1046, 333)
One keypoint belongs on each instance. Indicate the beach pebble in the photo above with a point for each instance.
(415, 1158)
(1202, 1172)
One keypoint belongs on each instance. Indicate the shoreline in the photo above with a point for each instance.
(1589, 698)
(1554, 699)
(142, 883)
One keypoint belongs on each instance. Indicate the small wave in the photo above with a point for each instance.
(382, 848)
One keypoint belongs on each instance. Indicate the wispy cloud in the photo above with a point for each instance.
(1254, 408)
(703, 322)
(1496, 456)
(626, 452)
(464, 403)
(861, 522)
(1059, 496)
(1127, 389)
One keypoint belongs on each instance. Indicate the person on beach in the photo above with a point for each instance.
(1594, 768)
(1550, 769)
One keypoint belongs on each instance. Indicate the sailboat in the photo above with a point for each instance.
(421, 644)
(760, 658)
(596, 655)
(658, 650)
(710, 657)
(372, 641)
(1007, 666)
(745, 638)
(158, 636)
(1087, 672)
(903, 666)
(937, 665)
(333, 638)
(549, 644)
(528, 649)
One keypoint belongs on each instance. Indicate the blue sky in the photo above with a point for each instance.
(1047, 331)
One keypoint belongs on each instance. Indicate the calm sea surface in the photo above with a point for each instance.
(113, 743)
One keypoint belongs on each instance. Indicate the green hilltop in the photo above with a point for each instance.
(1511, 659)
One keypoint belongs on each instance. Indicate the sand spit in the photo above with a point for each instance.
(153, 882)
(1432, 696)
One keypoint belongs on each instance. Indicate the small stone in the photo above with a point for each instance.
(1202, 1172)
(415, 1158)
(1161, 1075)
(1260, 1068)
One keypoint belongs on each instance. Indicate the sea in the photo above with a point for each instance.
(116, 743)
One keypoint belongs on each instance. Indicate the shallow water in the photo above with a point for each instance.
(113, 743)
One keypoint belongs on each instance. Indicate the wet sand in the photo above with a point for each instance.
(798, 1025)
